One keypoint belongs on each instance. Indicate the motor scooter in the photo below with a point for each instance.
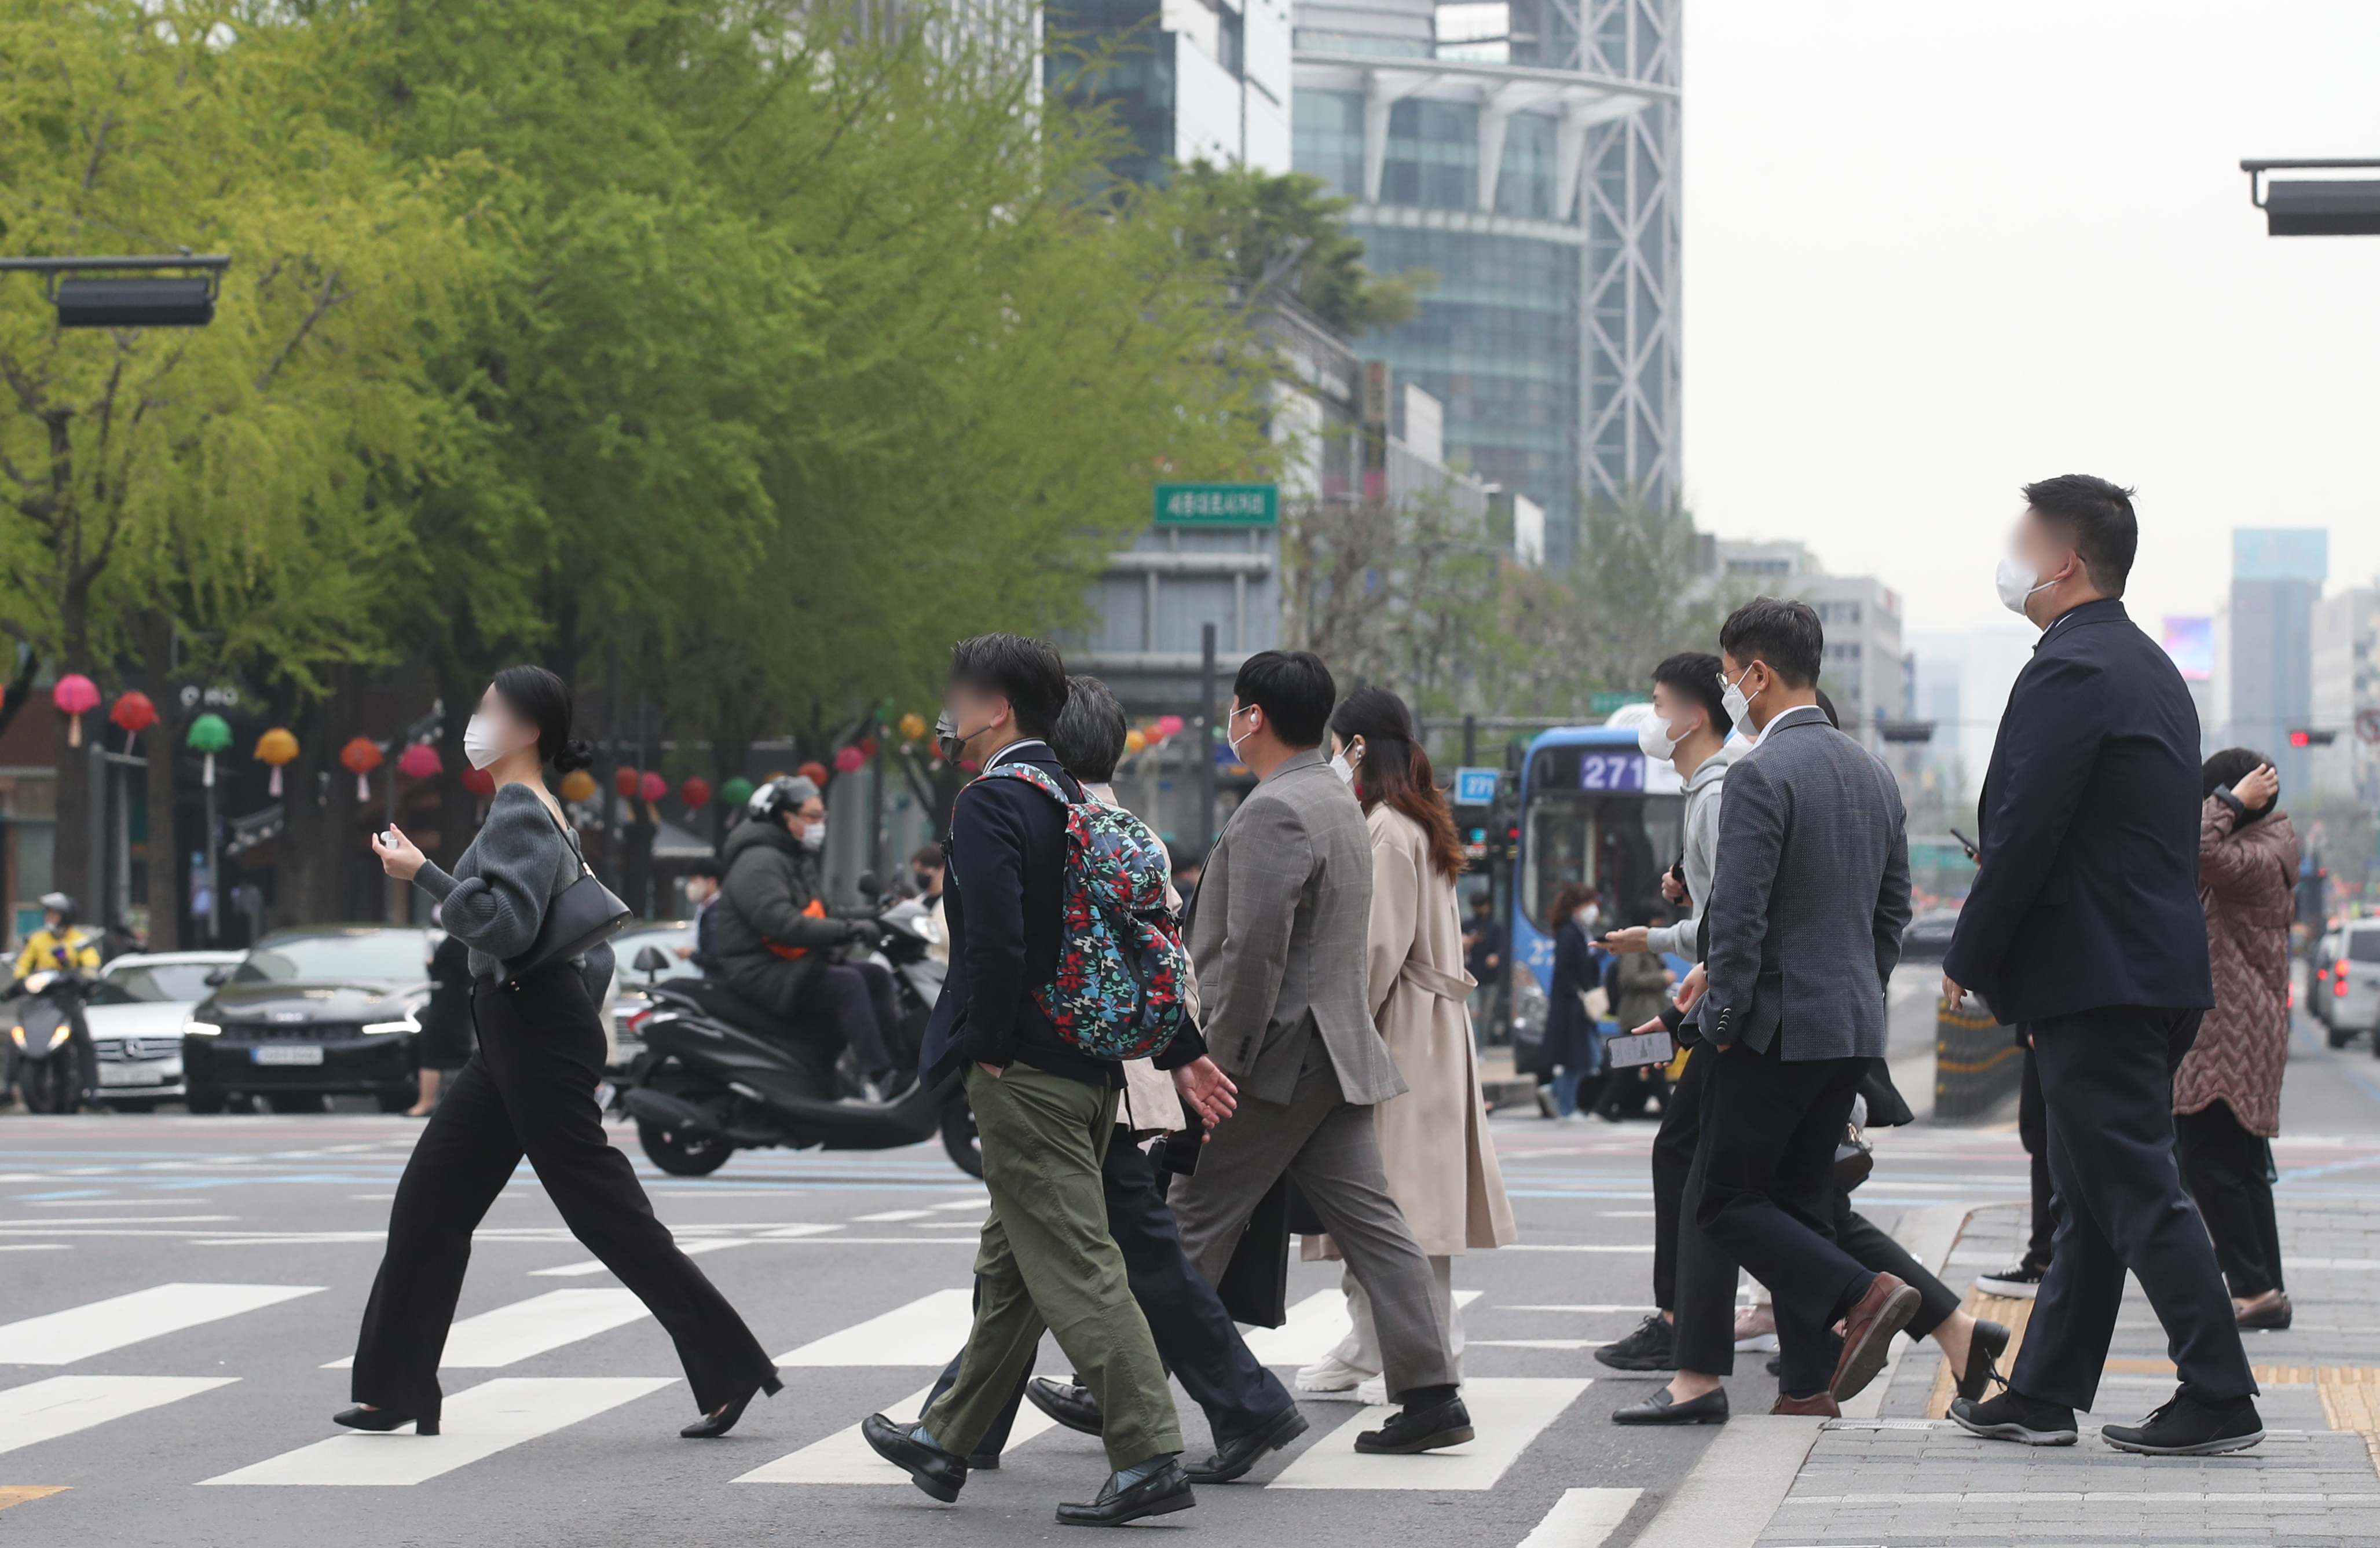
(719, 1074)
(45, 1040)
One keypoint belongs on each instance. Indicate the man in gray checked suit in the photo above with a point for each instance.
(1278, 932)
(1807, 903)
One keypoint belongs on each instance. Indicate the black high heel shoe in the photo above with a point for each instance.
(381, 1420)
(716, 1424)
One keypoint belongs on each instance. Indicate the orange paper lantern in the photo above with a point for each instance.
(576, 785)
(275, 747)
(360, 757)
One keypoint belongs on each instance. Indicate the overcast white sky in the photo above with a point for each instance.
(1935, 250)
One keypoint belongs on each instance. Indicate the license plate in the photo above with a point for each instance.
(1634, 1053)
(285, 1054)
(131, 1075)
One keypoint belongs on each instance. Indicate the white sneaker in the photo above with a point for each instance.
(1330, 1374)
(1373, 1389)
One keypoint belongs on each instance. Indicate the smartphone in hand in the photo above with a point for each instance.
(1968, 845)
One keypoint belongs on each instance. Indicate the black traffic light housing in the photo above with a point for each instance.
(2326, 207)
(2308, 736)
(130, 292)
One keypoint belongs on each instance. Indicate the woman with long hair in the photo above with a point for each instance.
(1572, 1050)
(1442, 1168)
(528, 1089)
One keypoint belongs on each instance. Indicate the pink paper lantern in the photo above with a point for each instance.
(479, 782)
(1168, 725)
(652, 788)
(420, 761)
(75, 696)
(849, 759)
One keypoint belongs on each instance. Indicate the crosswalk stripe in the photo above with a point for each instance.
(1507, 1412)
(694, 1248)
(846, 1458)
(511, 1333)
(1582, 1519)
(77, 1332)
(1314, 1327)
(60, 1406)
(927, 1331)
(476, 1423)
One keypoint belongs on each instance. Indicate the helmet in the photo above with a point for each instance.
(60, 904)
(774, 798)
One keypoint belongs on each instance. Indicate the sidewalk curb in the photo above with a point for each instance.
(1742, 1477)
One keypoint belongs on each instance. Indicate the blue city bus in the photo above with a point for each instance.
(1592, 808)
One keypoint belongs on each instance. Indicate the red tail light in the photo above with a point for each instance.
(2338, 984)
(637, 1022)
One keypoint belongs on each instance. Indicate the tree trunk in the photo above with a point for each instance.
(154, 633)
(315, 863)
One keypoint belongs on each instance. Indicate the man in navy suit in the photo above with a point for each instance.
(2084, 927)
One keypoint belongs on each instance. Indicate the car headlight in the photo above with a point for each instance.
(407, 1024)
(201, 1029)
(63, 1031)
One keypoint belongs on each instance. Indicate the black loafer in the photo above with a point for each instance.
(1162, 1492)
(1661, 1408)
(2014, 1417)
(1426, 1428)
(930, 1466)
(2185, 1427)
(712, 1425)
(381, 1420)
(1071, 1406)
(1234, 1458)
(1985, 1347)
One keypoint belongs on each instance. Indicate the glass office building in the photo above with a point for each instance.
(1524, 152)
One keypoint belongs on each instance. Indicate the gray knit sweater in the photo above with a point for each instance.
(495, 899)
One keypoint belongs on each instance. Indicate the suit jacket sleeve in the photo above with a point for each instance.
(1751, 840)
(1396, 914)
(1892, 907)
(2049, 738)
(988, 851)
(1271, 860)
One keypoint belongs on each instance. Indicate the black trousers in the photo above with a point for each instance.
(1874, 1249)
(1196, 1338)
(2225, 1167)
(2107, 1076)
(1701, 1276)
(2033, 1130)
(1674, 1156)
(1771, 1126)
(857, 997)
(531, 1090)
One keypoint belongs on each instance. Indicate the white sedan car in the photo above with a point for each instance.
(136, 1012)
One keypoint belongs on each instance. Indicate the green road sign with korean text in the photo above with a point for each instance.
(1216, 504)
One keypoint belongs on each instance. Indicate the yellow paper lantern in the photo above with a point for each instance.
(913, 726)
(1133, 741)
(577, 786)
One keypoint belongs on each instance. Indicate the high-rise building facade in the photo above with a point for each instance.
(1186, 80)
(2276, 576)
(2346, 692)
(1524, 151)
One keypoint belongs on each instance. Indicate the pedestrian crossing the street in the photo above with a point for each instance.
(78, 1332)
(512, 1334)
(477, 1423)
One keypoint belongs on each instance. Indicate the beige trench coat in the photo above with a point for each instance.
(1441, 1164)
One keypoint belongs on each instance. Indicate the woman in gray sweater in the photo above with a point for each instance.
(528, 1089)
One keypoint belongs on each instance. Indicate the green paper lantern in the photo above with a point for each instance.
(737, 791)
(210, 734)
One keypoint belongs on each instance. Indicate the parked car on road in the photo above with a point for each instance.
(309, 1014)
(1926, 938)
(135, 1013)
(2354, 1005)
(626, 1004)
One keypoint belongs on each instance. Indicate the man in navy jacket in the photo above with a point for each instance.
(2083, 925)
(1044, 1108)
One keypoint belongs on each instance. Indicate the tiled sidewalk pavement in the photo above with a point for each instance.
(1903, 1480)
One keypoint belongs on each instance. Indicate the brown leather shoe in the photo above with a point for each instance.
(1868, 1333)
(1822, 1405)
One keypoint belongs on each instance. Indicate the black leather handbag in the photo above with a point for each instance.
(580, 918)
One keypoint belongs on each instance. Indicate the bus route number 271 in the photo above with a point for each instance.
(1611, 770)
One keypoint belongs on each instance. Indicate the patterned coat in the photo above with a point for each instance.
(2245, 878)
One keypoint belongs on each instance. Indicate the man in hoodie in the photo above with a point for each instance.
(1045, 1110)
(773, 932)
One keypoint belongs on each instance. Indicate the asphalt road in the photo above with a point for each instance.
(199, 1416)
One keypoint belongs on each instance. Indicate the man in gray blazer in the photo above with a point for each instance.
(1806, 910)
(1278, 931)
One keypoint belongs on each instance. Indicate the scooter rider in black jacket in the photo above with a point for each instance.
(774, 930)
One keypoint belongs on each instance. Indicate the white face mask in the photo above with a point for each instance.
(813, 837)
(1343, 761)
(1653, 737)
(2016, 581)
(479, 742)
(1235, 741)
(1738, 708)
(1588, 916)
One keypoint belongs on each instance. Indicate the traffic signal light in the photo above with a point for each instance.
(2309, 738)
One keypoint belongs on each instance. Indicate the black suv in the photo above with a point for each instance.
(309, 1014)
